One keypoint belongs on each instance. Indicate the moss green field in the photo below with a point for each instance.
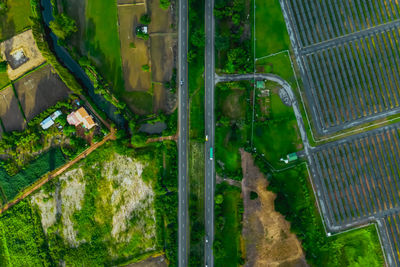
(271, 34)
(16, 19)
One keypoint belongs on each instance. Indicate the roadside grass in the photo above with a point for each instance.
(12, 185)
(228, 214)
(295, 200)
(16, 19)
(271, 34)
(231, 132)
(4, 80)
(196, 203)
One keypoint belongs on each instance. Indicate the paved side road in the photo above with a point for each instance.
(183, 218)
(210, 131)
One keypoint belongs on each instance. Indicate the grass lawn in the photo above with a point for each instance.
(16, 19)
(278, 136)
(228, 227)
(295, 200)
(12, 185)
(279, 65)
(102, 40)
(232, 130)
(271, 34)
(4, 80)
(142, 101)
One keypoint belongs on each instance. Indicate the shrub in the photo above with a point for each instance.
(145, 19)
(253, 195)
(3, 66)
(146, 68)
(142, 35)
(164, 4)
(63, 26)
(132, 45)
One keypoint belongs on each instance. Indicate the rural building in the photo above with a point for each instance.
(260, 84)
(81, 117)
(49, 121)
(290, 157)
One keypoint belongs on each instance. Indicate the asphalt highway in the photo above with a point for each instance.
(209, 130)
(183, 219)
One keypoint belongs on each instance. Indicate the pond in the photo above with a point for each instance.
(155, 128)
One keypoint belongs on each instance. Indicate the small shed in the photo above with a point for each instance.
(49, 121)
(292, 157)
(260, 85)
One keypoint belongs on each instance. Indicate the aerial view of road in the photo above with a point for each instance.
(183, 218)
(210, 131)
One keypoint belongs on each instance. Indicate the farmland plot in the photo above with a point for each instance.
(10, 113)
(360, 177)
(389, 228)
(348, 57)
(40, 90)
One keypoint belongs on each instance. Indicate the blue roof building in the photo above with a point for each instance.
(49, 121)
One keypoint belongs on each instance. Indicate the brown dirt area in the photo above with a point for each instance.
(232, 106)
(10, 113)
(150, 262)
(40, 90)
(161, 20)
(159, 99)
(162, 57)
(133, 58)
(266, 233)
(27, 44)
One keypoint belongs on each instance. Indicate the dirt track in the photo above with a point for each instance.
(266, 233)
(46, 178)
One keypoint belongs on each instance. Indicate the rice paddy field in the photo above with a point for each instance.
(348, 58)
(16, 19)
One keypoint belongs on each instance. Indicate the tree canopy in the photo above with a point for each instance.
(63, 26)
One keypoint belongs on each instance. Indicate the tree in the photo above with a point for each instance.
(63, 26)
(164, 4)
(219, 199)
(145, 19)
(146, 68)
(3, 66)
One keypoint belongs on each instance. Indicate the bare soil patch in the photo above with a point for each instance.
(10, 113)
(266, 233)
(150, 262)
(159, 97)
(134, 51)
(22, 54)
(129, 2)
(161, 20)
(40, 90)
(162, 57)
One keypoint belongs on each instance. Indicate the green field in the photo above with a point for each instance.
(295, 200)
(228, 226)
(16, 19)
(271, 34)
(4, 80)
(233, 112)
(141, 101)
(279, 135)
(279, 65)
(12, 185)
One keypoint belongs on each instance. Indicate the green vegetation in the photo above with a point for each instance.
(12, 185)
(296, 201)
(164, 4)
(22, 241)
(271, 34)
(232, 40)
(4, 80)
(145, 19)
(15, 18)
(278, 64)
(142, 35)
(3, 66)
(253, 195)
(146, 68)
(63, 26)
(38, 34)
(233, 125)
(228, 227)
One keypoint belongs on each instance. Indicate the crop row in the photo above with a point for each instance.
(359, 177)
(389, 228)
(355, 79)
(317, 21)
